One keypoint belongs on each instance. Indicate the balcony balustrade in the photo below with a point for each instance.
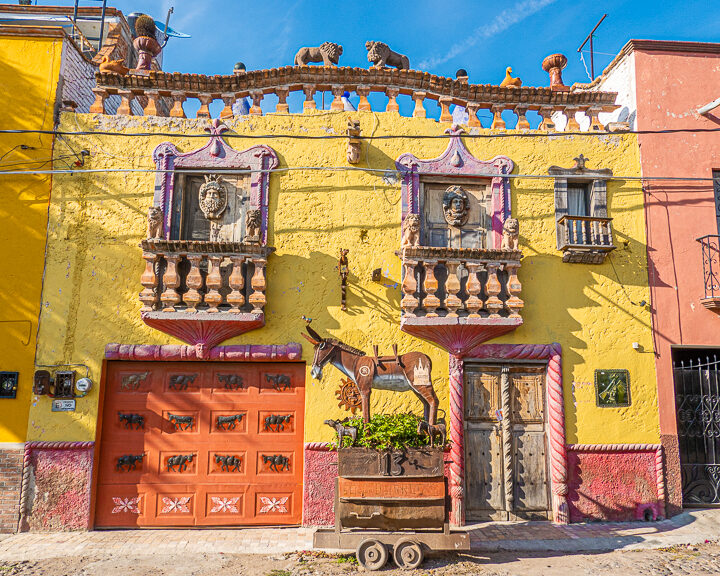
(161, 93)
(203, 292)
(711, 271)
(585, 239)
(460, 297)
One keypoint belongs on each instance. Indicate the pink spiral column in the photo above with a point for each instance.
(558, 449)
(457, 449)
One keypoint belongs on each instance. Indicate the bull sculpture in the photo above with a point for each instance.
(181, 422)
(135, 421)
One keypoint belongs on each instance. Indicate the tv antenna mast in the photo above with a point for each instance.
(592, 55)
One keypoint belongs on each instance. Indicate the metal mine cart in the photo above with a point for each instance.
(391, 502)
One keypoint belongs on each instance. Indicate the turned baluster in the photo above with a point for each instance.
(204, 110)
(493, 288)
(236, 299)
(337, 103)
(452, 287)
(392, 105)
(445, 115)
(514, 304)
(228, 100)
(363, 92)
(151, 108)
(194, 282)
(256, 109)
(309, 103)
(177, 110)
(547, 123)
(522, 123)
(473, 288)
(595, 124)
(473, 120)
(149, 280)
(409, 302)
(257, 283)
(572, 124)
(419, 111)
(213, 282)
(98, 107)
(171, 280)
(126, 98)
(282, 105)
(498, 122)
(430, 302)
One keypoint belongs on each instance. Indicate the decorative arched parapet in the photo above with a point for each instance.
(215, 154)
(457, 161)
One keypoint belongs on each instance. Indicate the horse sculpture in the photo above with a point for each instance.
(411, 371)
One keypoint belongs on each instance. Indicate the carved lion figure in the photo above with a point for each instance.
(411, 231)
(154, 223)
(328, 53)
(252, 225)
(511, 233)
(380, 55)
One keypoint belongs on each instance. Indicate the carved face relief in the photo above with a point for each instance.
(213, 197)
(456, 206)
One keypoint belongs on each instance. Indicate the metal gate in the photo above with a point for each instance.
(697, 398)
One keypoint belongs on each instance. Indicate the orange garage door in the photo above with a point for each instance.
(201, 443)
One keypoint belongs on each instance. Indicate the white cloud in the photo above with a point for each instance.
(501, 22)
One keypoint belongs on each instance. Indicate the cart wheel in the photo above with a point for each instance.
(408, 554)
(372, 554)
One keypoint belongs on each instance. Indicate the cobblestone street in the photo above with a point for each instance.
(686, 544)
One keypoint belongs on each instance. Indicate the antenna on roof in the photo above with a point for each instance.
(167, 23)
(592, 56)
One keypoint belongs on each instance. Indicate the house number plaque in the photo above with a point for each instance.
(63, 405)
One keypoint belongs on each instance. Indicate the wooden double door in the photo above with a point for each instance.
(201, 444)
(506, 467)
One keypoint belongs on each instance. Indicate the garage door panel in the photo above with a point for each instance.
(242, 423)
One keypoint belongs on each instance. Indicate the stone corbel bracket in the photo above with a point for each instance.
(458, 161)
(216, 154)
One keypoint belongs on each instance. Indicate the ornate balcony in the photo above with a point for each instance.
(585, 239)
(203, 292)
(711, 272)
(461, 297)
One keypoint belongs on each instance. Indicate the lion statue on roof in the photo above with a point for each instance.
(328, 53)
(380, 55)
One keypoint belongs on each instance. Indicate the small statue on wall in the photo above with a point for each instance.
(353, 132)
(213, 197)
(456, 206)
(344, 269)
(252, 225)
(411, 231)
(380, 55)
(154, 223)
(328, 53)
(511, 234)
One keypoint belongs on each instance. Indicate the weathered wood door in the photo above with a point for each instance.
(201, 443)
(505, 443)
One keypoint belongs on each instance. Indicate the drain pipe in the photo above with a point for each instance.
(708, 107)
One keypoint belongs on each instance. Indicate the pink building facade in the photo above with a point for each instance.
(662, 89)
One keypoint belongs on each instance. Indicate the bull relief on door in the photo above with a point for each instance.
(506, 464)
(459, 248)
(205, 251)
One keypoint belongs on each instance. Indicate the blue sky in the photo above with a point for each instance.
(440, 37)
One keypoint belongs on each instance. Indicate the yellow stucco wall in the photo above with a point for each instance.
(29, 70)
(94, 262)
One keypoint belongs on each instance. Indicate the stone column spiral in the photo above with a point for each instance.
(507, 438)
(457, 449)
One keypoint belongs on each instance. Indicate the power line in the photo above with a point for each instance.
(342, 169)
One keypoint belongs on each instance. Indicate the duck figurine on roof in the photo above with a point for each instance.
(509, 81)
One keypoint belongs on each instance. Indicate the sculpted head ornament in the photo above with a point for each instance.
(213, 197)
(456, 206)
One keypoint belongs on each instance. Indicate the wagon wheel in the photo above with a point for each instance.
(372, 554)
(408, 554)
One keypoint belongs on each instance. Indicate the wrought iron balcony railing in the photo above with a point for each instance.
(711, 271)
(585, 239)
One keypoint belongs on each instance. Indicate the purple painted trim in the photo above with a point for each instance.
(215, 154)
(290, 352)
(468, 166)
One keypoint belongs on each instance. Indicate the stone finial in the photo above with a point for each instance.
(145, 43)
(381, 56)
(461, 75)
(328, 53)
(554, 65)
(580, 162)
(239, 68)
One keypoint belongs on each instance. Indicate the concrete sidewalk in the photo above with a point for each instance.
(687, 528)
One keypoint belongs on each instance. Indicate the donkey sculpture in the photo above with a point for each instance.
(411, 371)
